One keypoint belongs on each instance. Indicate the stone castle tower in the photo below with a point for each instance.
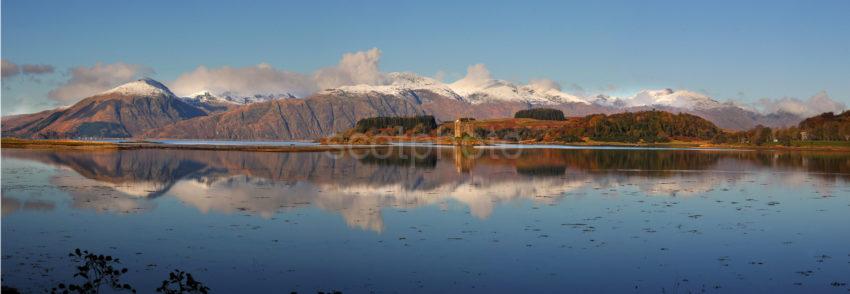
(463, 126)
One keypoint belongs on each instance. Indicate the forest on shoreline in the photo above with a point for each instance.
(544, 125)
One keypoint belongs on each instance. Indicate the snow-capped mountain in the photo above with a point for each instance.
(671, 98)
(124, 111)
(400, 83)
(487, 90)
(478, 91)
(483, 97)
(475, 92)
(480, 88)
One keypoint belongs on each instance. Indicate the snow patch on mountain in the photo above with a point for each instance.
(504, 91)
(400, 83)
(207, 97)
(142, 87)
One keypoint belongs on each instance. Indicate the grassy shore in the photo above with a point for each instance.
(90, 145)
(54, 144)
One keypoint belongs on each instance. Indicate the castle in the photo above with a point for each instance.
(463, 126)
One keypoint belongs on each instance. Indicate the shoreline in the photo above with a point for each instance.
(695, 145)
(92, 145)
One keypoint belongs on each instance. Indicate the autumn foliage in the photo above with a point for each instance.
(647, 126)
(827, 127)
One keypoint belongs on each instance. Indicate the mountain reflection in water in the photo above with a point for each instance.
(358, 183)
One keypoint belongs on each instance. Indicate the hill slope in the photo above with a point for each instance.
(312, 117)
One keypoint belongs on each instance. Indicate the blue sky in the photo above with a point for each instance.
(727, 49)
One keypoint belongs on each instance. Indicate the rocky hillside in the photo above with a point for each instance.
(312, 117)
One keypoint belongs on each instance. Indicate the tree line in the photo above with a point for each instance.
(540, 113)
(422, 124)
(630, 127)
(824, 127)
(647, 126)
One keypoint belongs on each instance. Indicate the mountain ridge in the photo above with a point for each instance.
(148, 109)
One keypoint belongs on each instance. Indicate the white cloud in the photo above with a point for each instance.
(88, 81)
(353, 69)
(244, 81)
(817, 104)
(476, 76)
(544, 85)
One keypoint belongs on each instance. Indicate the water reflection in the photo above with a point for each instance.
(358, 184)
(436, 220)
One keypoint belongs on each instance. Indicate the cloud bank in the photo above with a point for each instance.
(353, 69)
(88, 81)
(817, 104)
(244, 81)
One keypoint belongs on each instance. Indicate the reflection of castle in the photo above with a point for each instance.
(464, 158)
(463, 126)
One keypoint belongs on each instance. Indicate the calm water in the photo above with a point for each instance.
(434, 220)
